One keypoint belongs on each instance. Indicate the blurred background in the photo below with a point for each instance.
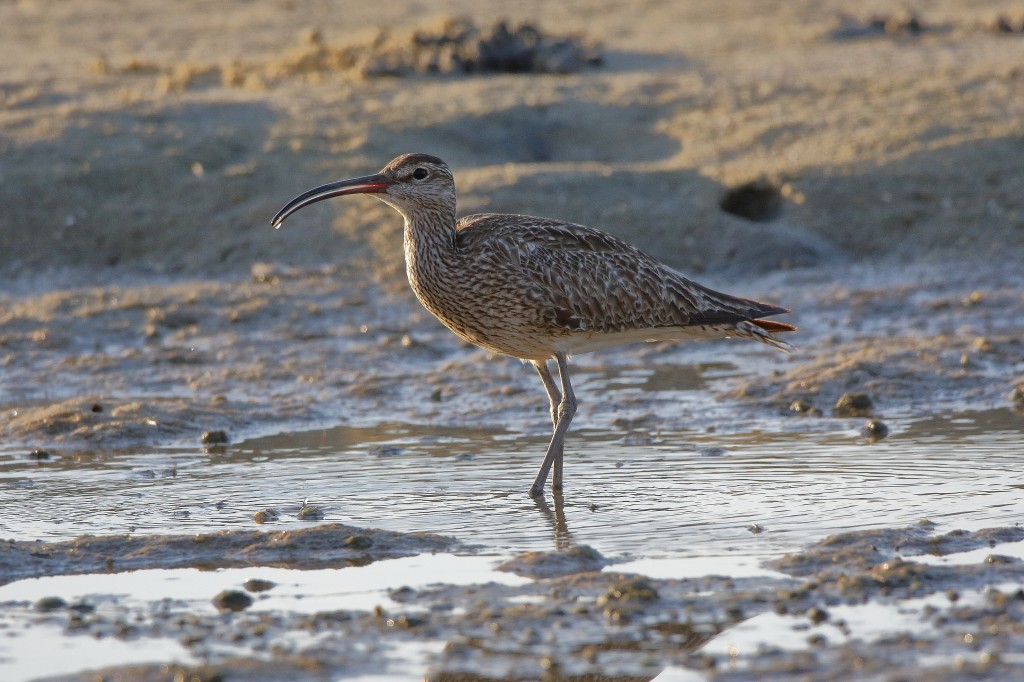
(150, 137)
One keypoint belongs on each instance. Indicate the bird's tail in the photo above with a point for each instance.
(762, 330)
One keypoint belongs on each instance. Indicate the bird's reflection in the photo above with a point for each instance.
(563, 539)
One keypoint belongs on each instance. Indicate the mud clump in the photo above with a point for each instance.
(894, 25)
(259, 585)
(853, 405)
(457, 45)
(266, 516)
(232, 600)
(804, 408)
(358, 542)
(50, 604)
(576, 559)
(1006, 23)
(320, 546)
(626, 598)
(216, 437)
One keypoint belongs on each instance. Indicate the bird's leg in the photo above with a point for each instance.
(554, 397)
(563, 417)
(566, 411)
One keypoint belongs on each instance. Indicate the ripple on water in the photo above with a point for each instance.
(659, 498)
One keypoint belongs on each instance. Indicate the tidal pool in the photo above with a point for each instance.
(669, 505)
(661, 495)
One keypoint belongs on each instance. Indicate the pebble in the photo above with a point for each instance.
(817, 615)
(804, 407)
(384, 450)
(50, 604)
(874, 430)
(216, 437)
(258, 585)
(310, 512)
(265, 515)
(232, 600)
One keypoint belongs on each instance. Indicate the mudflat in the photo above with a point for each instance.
(856, 164)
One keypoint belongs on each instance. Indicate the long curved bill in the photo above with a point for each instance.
(368, 184)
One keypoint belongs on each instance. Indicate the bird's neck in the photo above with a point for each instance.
(429, 241)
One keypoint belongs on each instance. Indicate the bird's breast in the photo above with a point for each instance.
(484, 306)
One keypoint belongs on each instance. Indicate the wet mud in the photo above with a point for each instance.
(321, 546)
(823, 614)
(290, 348)
(224, 459)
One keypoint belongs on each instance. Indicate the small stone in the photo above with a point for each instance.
(232, 600)
(50, 604)
(217, 437)
(39, 454)
(258, 585)
(874, 430)
(630, 589)
(310, 512)
(804, 407)
(853, 405)
(405, 622)
(904, 25)
(402, 594)
(817, 615)
(265, 516)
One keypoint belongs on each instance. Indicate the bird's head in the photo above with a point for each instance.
(410, 183)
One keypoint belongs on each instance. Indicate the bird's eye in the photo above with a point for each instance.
(419, 173)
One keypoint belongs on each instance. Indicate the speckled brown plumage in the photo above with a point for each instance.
(541, 289)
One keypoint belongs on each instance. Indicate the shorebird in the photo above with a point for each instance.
(540, 289)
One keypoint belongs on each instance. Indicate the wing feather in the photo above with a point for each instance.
(590, 281)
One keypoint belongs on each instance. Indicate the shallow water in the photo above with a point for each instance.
(668, 505)
(648, 496)
(31, 638)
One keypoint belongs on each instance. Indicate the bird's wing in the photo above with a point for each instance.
(587, 280)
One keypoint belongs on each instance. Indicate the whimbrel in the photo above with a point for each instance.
(540, 289)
